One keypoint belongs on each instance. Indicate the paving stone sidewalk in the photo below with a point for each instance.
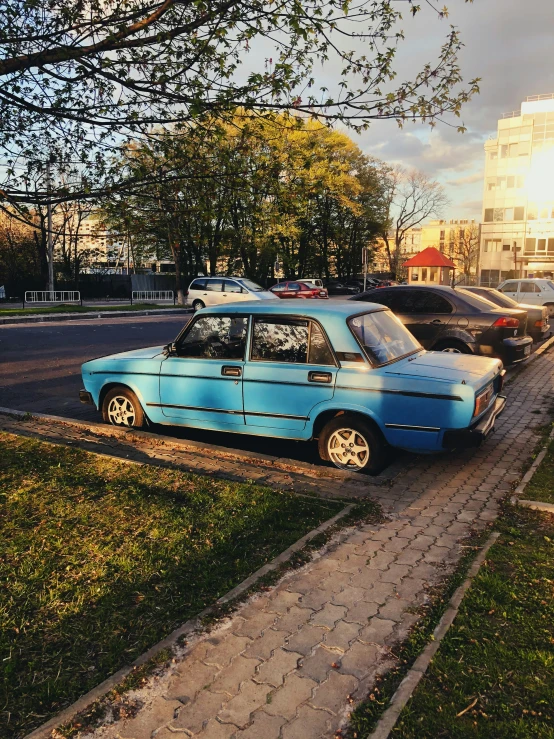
(291, 662)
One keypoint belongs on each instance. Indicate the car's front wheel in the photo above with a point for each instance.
(121, 407)
(198, 305)
(352, 444)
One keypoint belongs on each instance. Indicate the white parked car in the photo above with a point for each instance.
(312, 281)
(207, 291)
(532, 291)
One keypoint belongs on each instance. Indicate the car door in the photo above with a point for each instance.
(530, 293)
(233, 292)
(202, 381)
(291, 369)
(510, 288)
(213, 294)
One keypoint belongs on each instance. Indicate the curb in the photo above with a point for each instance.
(93, 314)
(105, 430)
(534, 504)
(406, 688)
(190, 626)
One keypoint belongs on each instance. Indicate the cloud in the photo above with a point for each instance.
(472, 205)
(467, 180)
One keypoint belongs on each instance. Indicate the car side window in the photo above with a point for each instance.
(509, 287)
(383, 297)
(423, 301)
(198, 285)
(279, 288)
(529, 287)
(293, 341)
(215, 286)
(293, 286)
(231, 287)
(319, 352)
(214, 337)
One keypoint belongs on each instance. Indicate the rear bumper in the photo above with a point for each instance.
(85, 397)
(540, 334)
(474, 435)
(517, 349)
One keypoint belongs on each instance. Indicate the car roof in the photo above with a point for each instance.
(315, 309)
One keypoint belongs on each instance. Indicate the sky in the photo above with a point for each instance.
(509, 44)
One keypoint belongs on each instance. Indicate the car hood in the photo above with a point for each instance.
(446, 367)
(150, 352)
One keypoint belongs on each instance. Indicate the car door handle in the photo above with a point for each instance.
(436, 321)
(323, 377)
(228, 371)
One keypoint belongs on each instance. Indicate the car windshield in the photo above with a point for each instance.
(252, 286)
(550, 284)
(383, 336)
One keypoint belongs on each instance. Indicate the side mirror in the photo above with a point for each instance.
(170, 350)
(243, 290)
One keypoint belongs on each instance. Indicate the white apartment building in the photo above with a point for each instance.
(517, 233)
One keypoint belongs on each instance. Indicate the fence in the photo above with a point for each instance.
(152, 296)
(52, 296)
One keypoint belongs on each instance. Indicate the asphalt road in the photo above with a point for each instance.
(40, 372)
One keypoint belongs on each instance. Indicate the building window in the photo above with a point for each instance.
(506, 247)
(415, 274)
(489, 213)
(551, 246)
(508, 214)
(492, 245)
(433, 274)
(443, 233)
(529, 246)
(493, 155)
(498, 215)
(541, 244)
(519, 213)
(532, 212)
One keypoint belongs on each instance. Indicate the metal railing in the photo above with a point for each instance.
(152, 296)
(52, 296)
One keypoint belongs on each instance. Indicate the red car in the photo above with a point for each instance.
(298, 290)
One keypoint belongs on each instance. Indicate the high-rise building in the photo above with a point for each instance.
(517, 233)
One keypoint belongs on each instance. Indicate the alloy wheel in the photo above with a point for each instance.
(348, 450)
(121, 411)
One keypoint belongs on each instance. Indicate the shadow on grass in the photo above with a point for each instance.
(101, 560)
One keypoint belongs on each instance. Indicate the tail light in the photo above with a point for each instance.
(186, 293)
(483, 399)
(538, 324)
(506, 322)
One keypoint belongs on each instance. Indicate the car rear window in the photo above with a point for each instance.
(383, 337)
(252, 286)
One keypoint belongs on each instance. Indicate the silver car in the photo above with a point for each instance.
(208, 291)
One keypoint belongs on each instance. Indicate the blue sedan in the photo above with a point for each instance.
(353, 378)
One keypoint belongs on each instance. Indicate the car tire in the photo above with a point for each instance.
(550, 308)
(198, 305)
(121, 407)
(351, 434)
(452, 347)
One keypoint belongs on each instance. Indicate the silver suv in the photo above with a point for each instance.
(208, 291)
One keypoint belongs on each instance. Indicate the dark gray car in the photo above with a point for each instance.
(537, 315)
(448, 320)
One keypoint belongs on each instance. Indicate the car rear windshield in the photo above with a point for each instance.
(252, 286)
(383, 336)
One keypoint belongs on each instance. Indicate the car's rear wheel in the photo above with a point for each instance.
(550, 308)
(121, 407)
(198, 305)
(453, 347)
(352, 444)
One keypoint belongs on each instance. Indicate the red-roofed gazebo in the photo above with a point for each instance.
(429, 267)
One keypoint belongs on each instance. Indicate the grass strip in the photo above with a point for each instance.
(541, 485)
(492, 675)
(70, 308)
(100, 560)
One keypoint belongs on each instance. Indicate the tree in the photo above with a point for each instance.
(466, 249)
(259, 188)
(410, 198)
(79, 77)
